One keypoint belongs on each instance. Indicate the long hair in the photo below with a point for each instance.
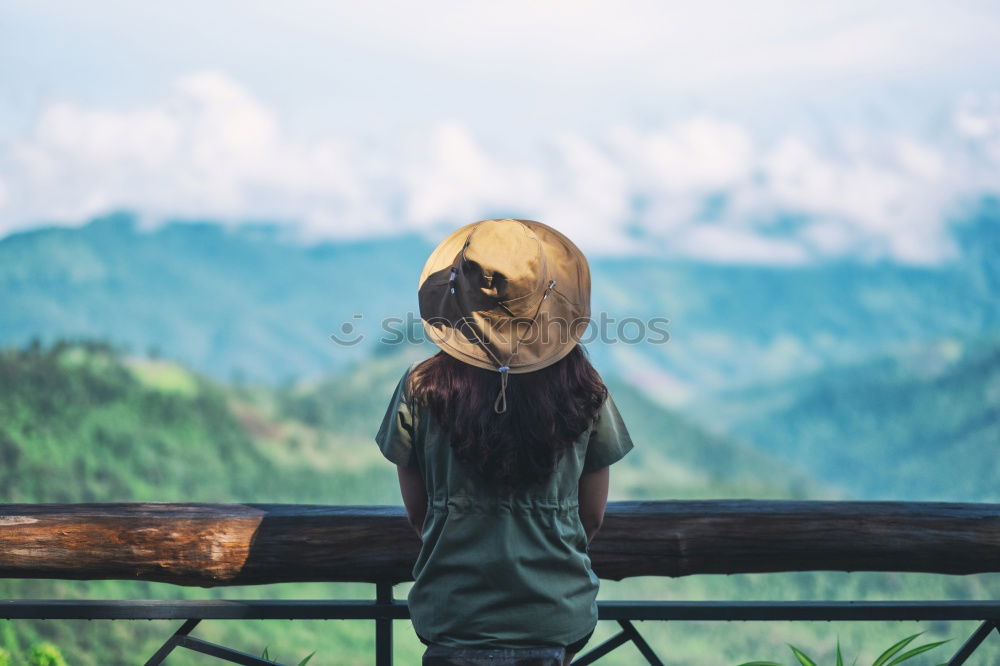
(547, 411)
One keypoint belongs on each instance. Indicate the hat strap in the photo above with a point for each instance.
(500, 404)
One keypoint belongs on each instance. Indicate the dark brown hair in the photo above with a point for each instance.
(547, 411)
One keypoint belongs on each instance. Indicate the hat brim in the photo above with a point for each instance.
(450, 341)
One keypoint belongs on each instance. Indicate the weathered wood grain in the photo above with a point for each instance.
(244, 544)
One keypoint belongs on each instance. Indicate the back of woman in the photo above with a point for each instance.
(494, 438)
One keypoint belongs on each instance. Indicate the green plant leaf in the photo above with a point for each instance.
(914, 652)
(885, 656)
(305, 660)
(840, 658)
(265, 655)
(801, 656)
(761, 663)
(45, 654)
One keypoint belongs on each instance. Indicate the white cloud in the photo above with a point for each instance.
(448, 175)
(978, 116)
(977, 120)
(209, 149)
(701, 154)
(725, 244)
(701, 187)
(145, 137)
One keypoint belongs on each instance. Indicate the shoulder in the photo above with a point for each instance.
(609, 439)
(608, 414)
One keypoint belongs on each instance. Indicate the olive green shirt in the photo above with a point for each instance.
(500, 569)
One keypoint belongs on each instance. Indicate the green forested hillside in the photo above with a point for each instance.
(82, 422)
(79, 422)
(920, 424)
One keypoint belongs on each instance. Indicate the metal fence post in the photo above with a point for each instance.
(383, 625)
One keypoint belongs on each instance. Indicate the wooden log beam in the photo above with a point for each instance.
(246, 544)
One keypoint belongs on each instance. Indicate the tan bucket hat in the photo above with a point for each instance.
(507, 295)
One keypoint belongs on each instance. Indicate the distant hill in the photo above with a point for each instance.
(79, 422)
(247, 303)
(920, 424)
(227, 302)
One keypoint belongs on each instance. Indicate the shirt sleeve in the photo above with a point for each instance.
(609, 439)
(395, 435)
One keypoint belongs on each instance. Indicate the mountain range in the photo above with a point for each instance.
(247, 303)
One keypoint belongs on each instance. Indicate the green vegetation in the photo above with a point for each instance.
(305, 660)
(83, 421)
(892, 652)
(79, 423)
(45, 654)
(40, 654)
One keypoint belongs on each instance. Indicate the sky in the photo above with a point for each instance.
(765, 132)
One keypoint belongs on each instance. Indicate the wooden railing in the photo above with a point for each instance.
(251, 544)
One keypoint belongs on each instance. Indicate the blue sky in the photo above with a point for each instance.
(698, 129)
